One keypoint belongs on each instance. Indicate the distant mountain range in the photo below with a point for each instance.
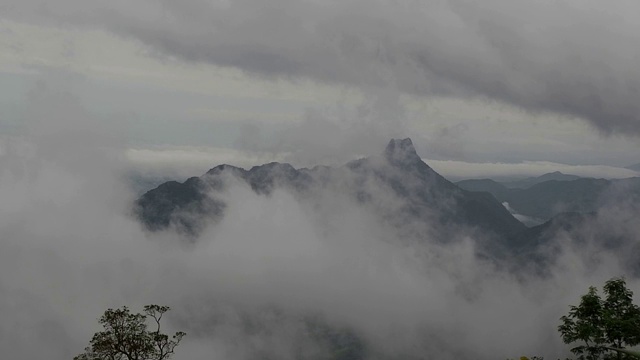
(430, 204)
(551, 194)
(529, 182)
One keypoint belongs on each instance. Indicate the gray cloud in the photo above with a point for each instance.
(332, 135)
(572, 57)
(70, 250)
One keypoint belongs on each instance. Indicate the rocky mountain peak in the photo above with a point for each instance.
(222, 168)
(401, 151)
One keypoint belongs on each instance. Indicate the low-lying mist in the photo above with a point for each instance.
(280, 276)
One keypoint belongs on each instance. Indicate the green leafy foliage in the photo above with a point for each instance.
(632, 354)
(584, 324)
(599, 325)
(621, 317)
(125, 337)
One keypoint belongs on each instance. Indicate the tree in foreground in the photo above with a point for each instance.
(125, 337)
(598, 325)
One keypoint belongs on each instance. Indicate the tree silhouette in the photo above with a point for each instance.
(125, 337)
(601, 325)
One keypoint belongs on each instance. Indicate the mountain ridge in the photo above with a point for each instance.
(425, 194)
(531, 181)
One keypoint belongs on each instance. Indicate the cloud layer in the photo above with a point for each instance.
(571, 57)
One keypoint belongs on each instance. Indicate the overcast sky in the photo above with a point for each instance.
(544, 85)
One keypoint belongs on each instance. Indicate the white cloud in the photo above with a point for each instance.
(187, 161)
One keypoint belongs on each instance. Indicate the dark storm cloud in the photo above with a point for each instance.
(571, 57)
